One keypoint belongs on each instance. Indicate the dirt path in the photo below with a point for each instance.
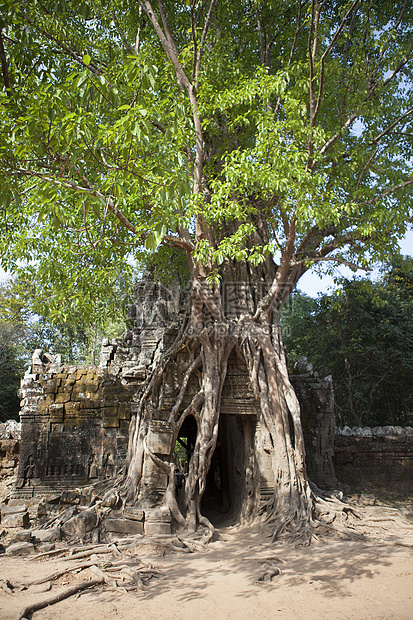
(334, 579)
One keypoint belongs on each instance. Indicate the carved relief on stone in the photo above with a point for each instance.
(92, 467)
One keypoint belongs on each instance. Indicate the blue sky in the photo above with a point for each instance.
(312, 284)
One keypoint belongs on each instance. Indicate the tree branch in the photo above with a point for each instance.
(89, 189)
(166, 28)
(366, 167)
(77, 56)
(260, 35)
(323, 57)
(388, 192)
(337, 259)
(396, 122)
(128, 47)
(178, 242)
(202, 43)
(4, 67)
(170, 49)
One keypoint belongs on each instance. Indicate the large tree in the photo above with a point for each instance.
(258, 137)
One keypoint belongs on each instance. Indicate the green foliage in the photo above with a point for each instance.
(362, 334)
(22, 331)
(169, 265)
(299, 119)
(11, 368)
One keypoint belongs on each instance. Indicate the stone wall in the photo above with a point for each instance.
(379, 458)
(9, 448)
(74, 425)
(316, 396)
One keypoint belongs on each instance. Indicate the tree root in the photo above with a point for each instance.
(6, 586)
(115, 574)
(271, 570)
(27, 612)
(58, 574)
(98, 549)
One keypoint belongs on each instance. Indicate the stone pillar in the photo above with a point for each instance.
(316, 398)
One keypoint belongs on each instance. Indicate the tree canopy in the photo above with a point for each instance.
(129, 126)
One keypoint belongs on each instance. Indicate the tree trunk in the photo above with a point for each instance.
(209, 334)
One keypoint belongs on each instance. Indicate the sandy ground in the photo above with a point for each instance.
(334, 579)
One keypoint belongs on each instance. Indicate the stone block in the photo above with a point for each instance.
(72, 409)
(110, 422)
(22, 536)
(15, 516)
(124, 526)
(47, 536)
(110, 411)
(154, 528)
(136, 514)
(45, 547)
(71, 497)
(8, 464)
(51, 386)
(81, 523)
(86, 404)
(161, 514)
(160, 437)
(56, 412)
(62, 397)
(20, 548)
(124, 412)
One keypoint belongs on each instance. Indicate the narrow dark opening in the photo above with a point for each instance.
(216, 498)
(226, 489)
(292, 431)
(185, 444)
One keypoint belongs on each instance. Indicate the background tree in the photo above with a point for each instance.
(260, 138)
(362, 334)
(22, 331)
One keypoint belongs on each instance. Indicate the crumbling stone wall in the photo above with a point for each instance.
(75, 420)
(74, 425)
(380, 458)
(316, 398)
(9, 448)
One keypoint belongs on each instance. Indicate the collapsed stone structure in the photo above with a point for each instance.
(75, 420)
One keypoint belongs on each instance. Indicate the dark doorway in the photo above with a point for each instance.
(227, 486)
(185, 443)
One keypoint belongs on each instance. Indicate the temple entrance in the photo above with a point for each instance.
(230, 476)
(230, 488)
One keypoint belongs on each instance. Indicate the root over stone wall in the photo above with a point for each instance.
(75, 420)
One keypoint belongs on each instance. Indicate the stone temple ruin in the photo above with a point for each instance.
(75, 419)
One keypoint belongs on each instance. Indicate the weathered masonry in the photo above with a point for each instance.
(75, 420)
(380, 458)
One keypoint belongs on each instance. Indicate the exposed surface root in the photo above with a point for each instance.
(332, 514)
(271, 569)
(114, 565)
(28, 611)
